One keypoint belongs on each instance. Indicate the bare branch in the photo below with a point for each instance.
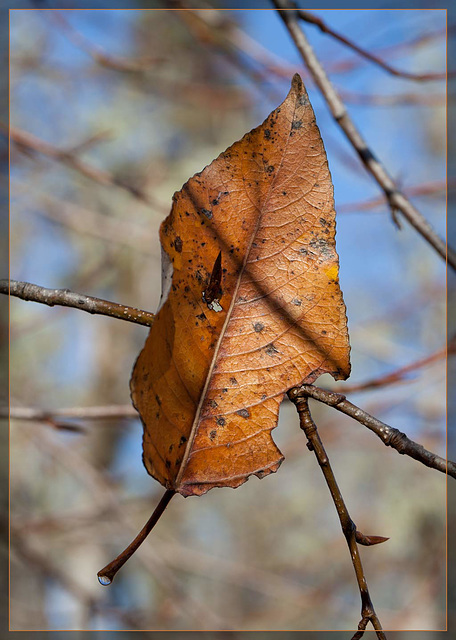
(348, 526)
(67, 298)
(390, 436)
(396, 199)
(420, 77)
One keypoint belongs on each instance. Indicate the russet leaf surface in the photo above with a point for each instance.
(251, 305)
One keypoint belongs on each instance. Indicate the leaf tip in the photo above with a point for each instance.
(297, 83)
(298, 92)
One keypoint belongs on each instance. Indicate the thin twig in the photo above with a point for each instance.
(348, 526)
(420, 77)
(396, 199)
(99, 55)
(108, 412)
(67, 298)
(390, 436)
(204, 29)
(109, 229)
(399, 374)
(398, 48)
(69, 158)
(399, 99)
(425, 189)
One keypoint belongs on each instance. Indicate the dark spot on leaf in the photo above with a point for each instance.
(207, 213)
(233, 381)
(321, 246)
(297, 302)
(183, 440)
(271, 350)
(201, 316)
(178, 244)
(296, 124)
(221, 421)
(243, 413)
(267, 134)
(168, 464)
(323, 332)
(213, 404)
(303, 100)
(258, 326)
(171, 446)
(158, 400)
(270, 169)
(212, 434)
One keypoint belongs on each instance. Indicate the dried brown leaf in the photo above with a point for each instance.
(251, 305)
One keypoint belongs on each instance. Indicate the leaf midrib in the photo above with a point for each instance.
(196, 419)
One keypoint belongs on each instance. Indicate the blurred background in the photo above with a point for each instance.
(111, 112)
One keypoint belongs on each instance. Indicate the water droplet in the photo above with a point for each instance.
(104, 580)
